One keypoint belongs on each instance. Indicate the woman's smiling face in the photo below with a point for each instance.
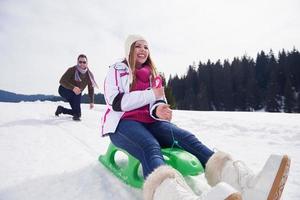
(141, 52)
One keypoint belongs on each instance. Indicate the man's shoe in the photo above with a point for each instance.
(76, 118)
(59, 110)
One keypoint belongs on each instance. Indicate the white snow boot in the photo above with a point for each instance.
(165, 183)
(268, 184)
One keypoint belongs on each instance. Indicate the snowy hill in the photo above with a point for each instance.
(45, 157)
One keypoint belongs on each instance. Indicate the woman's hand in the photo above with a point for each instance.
(163, 111)
(76, 90)
(158, 92)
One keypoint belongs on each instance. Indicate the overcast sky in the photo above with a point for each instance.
(40, 39)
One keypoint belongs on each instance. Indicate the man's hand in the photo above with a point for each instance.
(91, 105)
(76, 90)
(163, 111)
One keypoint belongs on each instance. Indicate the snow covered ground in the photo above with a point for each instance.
(45, 157)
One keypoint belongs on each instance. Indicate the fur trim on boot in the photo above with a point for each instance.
(155, 179)
(214, 166)
(165, 183)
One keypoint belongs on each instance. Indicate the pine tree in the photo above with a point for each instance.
(262, 77)
(250, 85)
(205, 92)
(273, 100)
(227, 85)
(289, 104)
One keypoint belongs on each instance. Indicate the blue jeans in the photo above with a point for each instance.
(73, 99)
(145, 140)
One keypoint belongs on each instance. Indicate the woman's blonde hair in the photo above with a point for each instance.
(132, 65)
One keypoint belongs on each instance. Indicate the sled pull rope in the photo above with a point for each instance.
(175, 142)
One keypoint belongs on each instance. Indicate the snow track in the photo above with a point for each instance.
(48, 157)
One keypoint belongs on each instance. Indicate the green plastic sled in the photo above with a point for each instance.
(186, 163)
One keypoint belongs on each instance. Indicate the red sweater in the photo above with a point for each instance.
(141, 114)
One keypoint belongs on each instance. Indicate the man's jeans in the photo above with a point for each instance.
(145, 140)
(73, 99)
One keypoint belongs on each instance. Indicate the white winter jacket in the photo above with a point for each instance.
(119, 99)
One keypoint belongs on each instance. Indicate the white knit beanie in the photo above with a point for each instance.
(129, 41)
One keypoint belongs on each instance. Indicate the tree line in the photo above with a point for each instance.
(268, 82)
